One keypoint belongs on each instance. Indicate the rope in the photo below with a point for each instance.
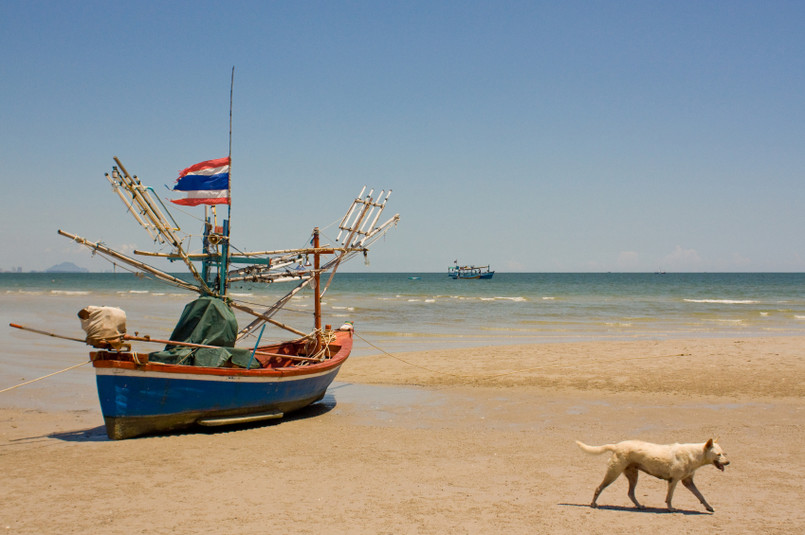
(411, 363)
(487, 377)
(44, 377)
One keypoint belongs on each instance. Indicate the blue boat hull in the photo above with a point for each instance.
(135, 403)
(138, 399)
(485, 275)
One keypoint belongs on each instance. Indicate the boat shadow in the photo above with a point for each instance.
(98, 434)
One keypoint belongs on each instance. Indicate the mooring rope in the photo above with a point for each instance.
(487, 377)
(411, 363)
(44, 377)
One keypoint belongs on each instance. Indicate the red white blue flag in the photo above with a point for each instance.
(205, 183)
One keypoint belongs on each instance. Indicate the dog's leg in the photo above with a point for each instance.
(671, 486)
(631, 474)
(691, 487)
(614, 470)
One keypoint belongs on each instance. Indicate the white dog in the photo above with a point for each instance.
(672, 462)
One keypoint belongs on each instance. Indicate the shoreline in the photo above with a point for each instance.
(405, 447)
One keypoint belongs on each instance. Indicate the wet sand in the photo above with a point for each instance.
(461, 441)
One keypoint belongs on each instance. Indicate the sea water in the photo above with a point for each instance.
(393, 312)
(397, 312)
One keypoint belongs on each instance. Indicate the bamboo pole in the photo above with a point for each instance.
(260, 319)
(266, 316)
(205, 346)
(134, 338)
(201, 256)
(349, 213)
(54, 335)
(158, 219)
(134, 212)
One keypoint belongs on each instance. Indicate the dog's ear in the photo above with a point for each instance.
(709, 444)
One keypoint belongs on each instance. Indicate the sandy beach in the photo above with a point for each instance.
(459, 441)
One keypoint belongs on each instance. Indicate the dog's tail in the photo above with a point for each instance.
(595, 450)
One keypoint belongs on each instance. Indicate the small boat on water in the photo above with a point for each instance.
(210, 372)
(469, 272)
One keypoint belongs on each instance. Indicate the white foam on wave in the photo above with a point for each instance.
(69, 292)
(722, 301)
(798, 317)
(247, 294)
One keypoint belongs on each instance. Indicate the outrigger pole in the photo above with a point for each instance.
(149, 216)
(97, 247)
(358, 238)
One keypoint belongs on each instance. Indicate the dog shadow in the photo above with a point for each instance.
(644, 510)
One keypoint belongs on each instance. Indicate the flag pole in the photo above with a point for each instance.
(231, 90)
(228, 223)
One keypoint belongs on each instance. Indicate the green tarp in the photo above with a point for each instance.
(207, 321)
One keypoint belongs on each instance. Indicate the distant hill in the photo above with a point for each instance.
(66, 267)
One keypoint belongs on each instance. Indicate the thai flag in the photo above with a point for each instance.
(205, 183)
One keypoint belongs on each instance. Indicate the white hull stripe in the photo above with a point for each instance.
(210, 378)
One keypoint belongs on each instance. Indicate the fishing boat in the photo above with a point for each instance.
(469, 272)
(210, 372)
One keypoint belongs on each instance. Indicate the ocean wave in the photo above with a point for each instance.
(722, 301)
(518, 299)
(70, 292)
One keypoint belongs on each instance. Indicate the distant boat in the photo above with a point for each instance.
(469, 272)
(414, 278)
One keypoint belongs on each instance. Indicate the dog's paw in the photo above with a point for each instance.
(709, 508)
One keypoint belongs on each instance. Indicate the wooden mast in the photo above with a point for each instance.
(317, 284)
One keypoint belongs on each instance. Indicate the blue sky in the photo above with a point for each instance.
(533, 136)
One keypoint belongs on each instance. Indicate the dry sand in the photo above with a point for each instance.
(463, 441)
